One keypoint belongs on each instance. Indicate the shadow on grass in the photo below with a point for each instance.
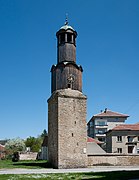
(115, 175)
(33, 164)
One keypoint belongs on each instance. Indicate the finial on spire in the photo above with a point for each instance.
(66, 22)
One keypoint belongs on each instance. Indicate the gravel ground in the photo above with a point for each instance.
(92, 169)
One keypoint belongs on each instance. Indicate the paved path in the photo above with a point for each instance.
(45, 171)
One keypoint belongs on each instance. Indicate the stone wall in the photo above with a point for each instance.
(53, 130)
(113, 159)
(28, 156)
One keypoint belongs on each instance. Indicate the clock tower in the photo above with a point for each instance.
(66, 74)
(67, 135)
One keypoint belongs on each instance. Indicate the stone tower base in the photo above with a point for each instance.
(67, 134)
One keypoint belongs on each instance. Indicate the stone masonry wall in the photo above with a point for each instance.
(28, 156)
(69, 125)
(53, 130)
(113, 159)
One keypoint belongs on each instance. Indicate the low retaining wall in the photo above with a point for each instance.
(113, 159)
(28, 156)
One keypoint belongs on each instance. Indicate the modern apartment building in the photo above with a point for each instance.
(100, 123)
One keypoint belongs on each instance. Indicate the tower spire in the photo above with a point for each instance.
(66, 21)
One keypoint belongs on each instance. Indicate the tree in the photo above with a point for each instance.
(44, 133)
(34, 143)
(14, 145)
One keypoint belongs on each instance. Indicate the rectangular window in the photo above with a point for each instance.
(69, 85)
(119, 150)
(138, 138)
(119, 138)
(91, 124)
(130, 139)
(100, 131)
(69, 38)
(102, 139)
(101, 123)
(62, 38)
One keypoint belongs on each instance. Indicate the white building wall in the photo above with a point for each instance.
(113, 122)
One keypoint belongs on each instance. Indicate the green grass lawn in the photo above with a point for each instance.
(119, 175)
(23, 164)
(8, 164)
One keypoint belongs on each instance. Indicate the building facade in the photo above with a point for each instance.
(2, 151)
(100, 123)
(123, 139)
(67, 136)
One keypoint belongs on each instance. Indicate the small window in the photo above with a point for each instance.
(119, 138)
(69, 85)
(101, 131)
(130, 139)
(91, 124)
(138, 138)
(102, 139)
(62, 38)
(72, 134)
(119, 150)
(74, 41)
(101, 123)
(69, 38)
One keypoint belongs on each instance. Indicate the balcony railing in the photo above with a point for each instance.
(101, 125)
(100, 134)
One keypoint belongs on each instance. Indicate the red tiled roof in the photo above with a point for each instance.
(89, 139)
(2, 148)
(108, 113)
(130, 127)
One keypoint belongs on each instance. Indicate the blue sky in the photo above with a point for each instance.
(107, 49)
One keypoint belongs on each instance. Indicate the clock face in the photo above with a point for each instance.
(71, 78)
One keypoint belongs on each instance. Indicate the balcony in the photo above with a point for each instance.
(101, 126)
(132, 140)
(131, 143)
